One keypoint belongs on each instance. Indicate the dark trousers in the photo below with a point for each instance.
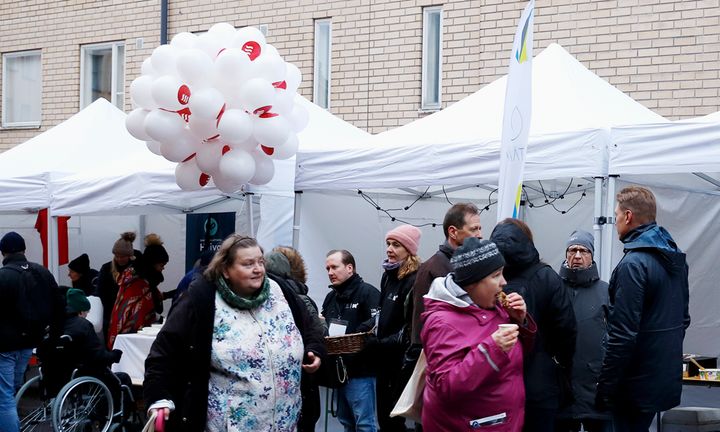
(590, 425)
(388, 389)
(310, 411)
(539, 419)
(631, 421)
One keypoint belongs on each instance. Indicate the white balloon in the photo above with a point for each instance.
(245, 34)
(210, 43)
(264, 169)
(203, 128)
(225, 185)
(222, 30)
(256, 93)
(170, 93)
(272, 131)
(298, 118)
(235, 126)
(164, 126)
(154, 147)
(208, 155)
(184, 40)
(284, 102)
(232, 65)
(194, 66)
(287, 150)
(135, 124)
(269, 67)
(141, 92)
(180, 149)
(293, 77)
(147, 69)
(206, 103)
(163, 59)
(248, 145)
(189, 177)
(236, 166)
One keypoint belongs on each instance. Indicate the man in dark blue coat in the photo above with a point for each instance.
(641, 371)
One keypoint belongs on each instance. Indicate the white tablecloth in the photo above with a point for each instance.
(135, 348)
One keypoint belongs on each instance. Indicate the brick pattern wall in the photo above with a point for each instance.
(663, 53)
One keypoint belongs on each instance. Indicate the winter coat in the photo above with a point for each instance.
(107, 290)
(356, 302)
(437, 266)
(646, 325)
(135, 306)
(548, 367)
(590, 299)
(11, 332)
(178, 366)
(90, 350)
(392, 323)
(468, 377)
(87, 282)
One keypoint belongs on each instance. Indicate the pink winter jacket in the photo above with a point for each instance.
(470, 381)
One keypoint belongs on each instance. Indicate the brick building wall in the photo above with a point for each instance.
(663, 53)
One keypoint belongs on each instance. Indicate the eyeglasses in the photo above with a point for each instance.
(575, 250)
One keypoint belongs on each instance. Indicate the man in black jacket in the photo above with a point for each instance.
(648, 317)
(579, 274)
(17, 339)
(350, 303)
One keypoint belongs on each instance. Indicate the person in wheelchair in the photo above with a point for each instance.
(89, 352)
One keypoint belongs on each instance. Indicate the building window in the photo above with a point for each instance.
(102, 74)
(21, 89)
(432, 58)
(321, 71)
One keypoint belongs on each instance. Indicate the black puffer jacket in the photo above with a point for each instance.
(392, 331)
(647, 323)
(590, 299)
(178, 366)
(356, 302)
(547, 368)
(11, 337)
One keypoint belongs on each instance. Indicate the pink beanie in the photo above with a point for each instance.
(407, 235)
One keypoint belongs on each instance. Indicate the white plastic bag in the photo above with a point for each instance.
(409, 405)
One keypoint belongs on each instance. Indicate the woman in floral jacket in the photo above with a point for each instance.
(230, 355)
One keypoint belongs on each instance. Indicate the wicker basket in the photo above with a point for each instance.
(346, 344)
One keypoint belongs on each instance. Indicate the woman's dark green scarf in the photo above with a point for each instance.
(240, 302)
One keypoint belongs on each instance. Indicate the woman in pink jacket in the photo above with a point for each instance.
(474, 378)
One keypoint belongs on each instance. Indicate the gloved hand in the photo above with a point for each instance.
(116, 354)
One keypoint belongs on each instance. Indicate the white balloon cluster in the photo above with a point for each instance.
(221, 104)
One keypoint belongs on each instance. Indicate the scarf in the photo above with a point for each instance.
(391, 266)
(240, 302)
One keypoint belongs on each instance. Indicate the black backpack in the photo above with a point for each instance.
(33, 304)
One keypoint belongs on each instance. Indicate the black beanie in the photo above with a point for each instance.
(475, 260)
(12, 242)
(80, 264)
(154, 252)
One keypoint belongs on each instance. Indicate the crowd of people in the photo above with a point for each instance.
(510, 343)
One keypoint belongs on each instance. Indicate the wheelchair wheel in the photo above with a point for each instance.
(33, 408)
(83, 405)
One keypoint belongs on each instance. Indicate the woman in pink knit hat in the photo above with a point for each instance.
(400, 267)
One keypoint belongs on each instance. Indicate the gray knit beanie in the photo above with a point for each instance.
(582, 238)
(124, 245)
(475, 260)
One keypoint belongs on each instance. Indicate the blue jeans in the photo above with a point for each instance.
(356, 405)
(12, 374)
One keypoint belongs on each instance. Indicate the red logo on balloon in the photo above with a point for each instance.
(220, 114)
(204, 179)
(183, 94)
(185, 114)
(264, 112)
(268, 150)
(280, 85)
(189, 157)
(226, 149)
(252, 49)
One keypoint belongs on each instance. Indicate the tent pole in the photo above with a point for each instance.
(609, 230)
(597, 221)
(296, 220)
(52, 245)
(250, 209)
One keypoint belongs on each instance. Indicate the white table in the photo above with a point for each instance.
(135, 348)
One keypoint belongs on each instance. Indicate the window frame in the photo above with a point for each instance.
(4, 123)
(316, 63)
(114, 93)
(426, 105)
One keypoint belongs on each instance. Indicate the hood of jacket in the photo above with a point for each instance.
(517, 249)
(581, 277)
(445, 290)
(654, 237)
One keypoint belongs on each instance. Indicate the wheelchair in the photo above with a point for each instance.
(62, 398)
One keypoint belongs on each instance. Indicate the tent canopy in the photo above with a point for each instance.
(572, 111)
(144, 182)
